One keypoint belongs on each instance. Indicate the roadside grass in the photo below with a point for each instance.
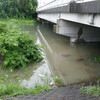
(58, 82)
(92, 90)
(57, 79)
(20, 21)
(10, 89)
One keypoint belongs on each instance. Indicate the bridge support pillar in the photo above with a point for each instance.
(77, 32)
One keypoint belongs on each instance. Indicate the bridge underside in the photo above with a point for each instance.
(81, 25)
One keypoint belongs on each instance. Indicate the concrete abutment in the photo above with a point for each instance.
(77, 32)
(77, 19)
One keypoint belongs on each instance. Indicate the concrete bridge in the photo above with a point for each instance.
(77, 19)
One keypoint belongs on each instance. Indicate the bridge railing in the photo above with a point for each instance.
(52, 4)
(56, 3)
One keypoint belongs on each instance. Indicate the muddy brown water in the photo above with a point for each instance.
(63, 59)
(69, 61)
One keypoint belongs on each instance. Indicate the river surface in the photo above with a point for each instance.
(71, 62)
(68, 61)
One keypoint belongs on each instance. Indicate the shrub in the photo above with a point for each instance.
(17, 48)
(93, 90)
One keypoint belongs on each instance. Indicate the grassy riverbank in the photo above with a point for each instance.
(10, 89)
(10, 84)
(18, 50)
(20, 21)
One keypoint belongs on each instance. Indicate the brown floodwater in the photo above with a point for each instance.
(69, 61)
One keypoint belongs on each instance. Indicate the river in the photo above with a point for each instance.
(69, 61)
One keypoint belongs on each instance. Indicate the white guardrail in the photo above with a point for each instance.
(58, 3)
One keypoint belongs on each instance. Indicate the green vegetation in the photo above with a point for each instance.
(58, 81)
(18, 9)
(95, 58)
(10, 89)
(19, 21)
(12, 75)
(17, 48)
(93, 90)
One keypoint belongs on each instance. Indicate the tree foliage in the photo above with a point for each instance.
(17, 48)
(18, 8)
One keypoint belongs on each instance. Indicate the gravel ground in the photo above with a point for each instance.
(71, 92)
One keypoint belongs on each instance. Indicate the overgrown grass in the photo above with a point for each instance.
(20, 21)
(10, 36)
(93, 90)
(10, 89)
(58, 81)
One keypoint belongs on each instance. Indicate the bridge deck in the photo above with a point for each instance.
(72, 7)
(71, 16)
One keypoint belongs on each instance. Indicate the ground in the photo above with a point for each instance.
(71, 92)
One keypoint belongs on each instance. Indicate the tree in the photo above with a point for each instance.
(18, 8)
